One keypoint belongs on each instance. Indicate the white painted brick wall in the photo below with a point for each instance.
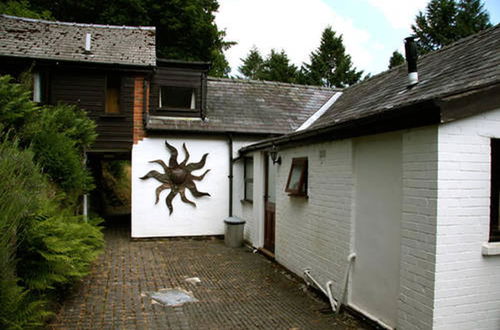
(418, 231)
(467, 289)
(316, 232)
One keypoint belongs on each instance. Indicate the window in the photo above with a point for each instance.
(113, 83)
(178, 98)
(495, 192)
(297, 179)
(40, 87)
(248, 178)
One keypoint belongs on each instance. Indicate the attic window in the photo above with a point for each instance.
(297, 178)
(178, 98)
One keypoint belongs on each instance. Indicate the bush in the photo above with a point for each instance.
(16, 107)
(44, 248)
(20, 197)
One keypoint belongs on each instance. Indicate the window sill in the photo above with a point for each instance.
(246, 201)
(491, 249)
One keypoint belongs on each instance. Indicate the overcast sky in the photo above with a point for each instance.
(371, 29)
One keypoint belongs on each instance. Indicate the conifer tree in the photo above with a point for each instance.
(330, 65)
(396, 59)
(252, 64)
(446, 21)
(277, 67)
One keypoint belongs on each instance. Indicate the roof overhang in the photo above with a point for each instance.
(435, 111)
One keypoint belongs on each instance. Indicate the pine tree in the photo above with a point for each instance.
(396, 59)
(277, 67)
(446, 21)
(330, 65)
(252, 64)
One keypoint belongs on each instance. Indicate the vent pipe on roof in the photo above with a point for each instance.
(411, 59)
(88, 39)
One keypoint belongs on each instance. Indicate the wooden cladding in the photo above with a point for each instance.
(108, 98)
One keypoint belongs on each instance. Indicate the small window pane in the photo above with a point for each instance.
(297, 178)
(248, 179)
(177, 97)
(249, 191)
(113, 94)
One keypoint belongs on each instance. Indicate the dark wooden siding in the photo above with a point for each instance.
(87, 90)
(180, 77)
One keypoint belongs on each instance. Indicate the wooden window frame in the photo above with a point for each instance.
(106, 110)
(247, 180)
(178, 110)
(302, 186)
(495, 191)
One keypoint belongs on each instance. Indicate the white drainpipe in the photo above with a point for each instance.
(335, 303)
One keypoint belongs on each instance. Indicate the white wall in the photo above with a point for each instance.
(153, 220)
(316, 232)
(467, 289)
(377, 226)
(418, 228)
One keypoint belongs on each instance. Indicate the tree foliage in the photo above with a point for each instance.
(44, 247)
(22, 8)
(252, 65)
(446, 21)
(396, 59)
(330, 65)
(186, 29)
(275, 67)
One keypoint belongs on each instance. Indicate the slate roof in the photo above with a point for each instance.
(40, 39)
(250, 106)
(469, 64)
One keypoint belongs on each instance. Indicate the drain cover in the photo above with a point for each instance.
(172, 297)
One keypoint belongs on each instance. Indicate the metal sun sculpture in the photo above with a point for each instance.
(178, 177)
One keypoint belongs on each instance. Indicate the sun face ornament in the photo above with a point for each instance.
(178, 177)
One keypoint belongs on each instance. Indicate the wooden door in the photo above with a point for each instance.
(269, 204)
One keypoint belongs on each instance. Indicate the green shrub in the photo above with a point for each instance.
(58, 249)
(21, 194)
(16, 107)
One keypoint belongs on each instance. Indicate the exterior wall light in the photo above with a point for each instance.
(274, 155)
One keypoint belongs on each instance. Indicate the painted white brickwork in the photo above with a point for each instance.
(467, 293)
(418, 228)
(316, 232)
(445, 282)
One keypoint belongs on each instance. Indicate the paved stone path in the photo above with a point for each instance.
(238, 290)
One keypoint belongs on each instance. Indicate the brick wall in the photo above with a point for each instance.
(139, 99)
(418, 231)
(467, 293)
(316, 232)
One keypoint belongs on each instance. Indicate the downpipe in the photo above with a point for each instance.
(328, 291)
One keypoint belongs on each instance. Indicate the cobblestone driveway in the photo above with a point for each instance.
(238, 290)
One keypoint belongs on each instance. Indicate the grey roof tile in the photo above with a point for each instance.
(250, 106)
(468, 63)
(40, 39)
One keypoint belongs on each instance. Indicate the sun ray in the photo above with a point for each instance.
(196, 166)
(199, 178)
(173, 155)
(192, 188)
(182, 192)
(160, 189)
(169, 199)
(186, 152)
